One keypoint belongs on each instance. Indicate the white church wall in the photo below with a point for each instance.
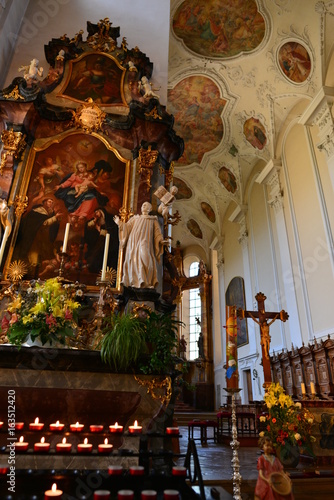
(308, 233)
(144, 24)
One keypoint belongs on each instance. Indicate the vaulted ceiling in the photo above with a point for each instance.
(237, 70)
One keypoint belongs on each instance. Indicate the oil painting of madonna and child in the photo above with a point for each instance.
(78, 181)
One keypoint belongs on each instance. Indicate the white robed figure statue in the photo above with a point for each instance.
(143, 242)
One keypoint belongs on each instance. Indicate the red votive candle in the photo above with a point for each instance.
(137, 470)
(149, 495)
(19, 426)
(63, 447)
(105, 447)
(76, 427)
(135, 428)
(53, 493)
(125, 495)
(172, 430)
(21, 445)
(3, 469)
(179, 471)
(57, 426)
(101, 495)
(85, 447)
(116, 429)
(96, 428)
(42, 446)
(115, 470)
(171, 495)
(36, 426)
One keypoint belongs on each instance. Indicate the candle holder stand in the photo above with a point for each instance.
(63, 256)
(103, 285)
(235, 446)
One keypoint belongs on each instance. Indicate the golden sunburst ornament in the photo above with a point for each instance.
(111, 275)
(16, 270)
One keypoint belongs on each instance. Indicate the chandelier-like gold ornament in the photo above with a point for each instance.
(17, 270)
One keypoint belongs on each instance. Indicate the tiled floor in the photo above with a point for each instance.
(215, 459)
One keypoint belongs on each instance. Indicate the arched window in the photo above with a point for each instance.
(192, 313)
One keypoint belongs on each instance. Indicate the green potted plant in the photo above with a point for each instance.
(123, 341)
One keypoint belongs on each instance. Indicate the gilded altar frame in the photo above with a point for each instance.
(37, 181)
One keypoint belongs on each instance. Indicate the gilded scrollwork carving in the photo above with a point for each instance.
(154, 385)
(89, 117)
(20, 205)
(13, 145)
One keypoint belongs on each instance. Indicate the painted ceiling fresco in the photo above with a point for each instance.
(208, 211)
(219, 28)
(194, 228)
(197, 106)
(184, 192)
(294, 61)
(228, 179)
(255, 133)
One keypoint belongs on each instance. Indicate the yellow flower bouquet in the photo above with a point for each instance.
(286, 423)
(45, 310)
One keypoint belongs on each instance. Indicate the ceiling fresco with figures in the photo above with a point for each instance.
(237, 68)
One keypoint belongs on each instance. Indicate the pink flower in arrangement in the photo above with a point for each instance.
(13, 319)
(51, 320)
(68, 314)
(4, 324)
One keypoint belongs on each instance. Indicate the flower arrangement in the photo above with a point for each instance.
(45, 310)
(287, 424)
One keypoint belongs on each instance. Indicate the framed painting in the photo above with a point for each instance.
(96, 76)
(75, 178)
(235, 296)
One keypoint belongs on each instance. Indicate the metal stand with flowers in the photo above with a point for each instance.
(42, 311)
(288, 425)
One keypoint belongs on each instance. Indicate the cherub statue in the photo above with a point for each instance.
(32, 71)
(6, 217)
(166, 204)
(145, 86)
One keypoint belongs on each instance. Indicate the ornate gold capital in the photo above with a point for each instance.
(146, 161)
(13, 145)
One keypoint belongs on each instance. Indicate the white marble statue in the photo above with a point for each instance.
(32, 71)
(143, 242)
(145, 86)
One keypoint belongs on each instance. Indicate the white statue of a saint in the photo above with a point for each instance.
(143, 242)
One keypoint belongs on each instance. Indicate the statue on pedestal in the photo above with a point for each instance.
(143, 242)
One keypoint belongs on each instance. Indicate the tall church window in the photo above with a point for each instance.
(193, 313)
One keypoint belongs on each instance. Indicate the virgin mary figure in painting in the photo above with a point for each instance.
(79, 193)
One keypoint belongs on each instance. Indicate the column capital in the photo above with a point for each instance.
(319, 113)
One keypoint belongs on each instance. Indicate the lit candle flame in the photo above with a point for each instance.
(85, 441)
(42, 440)
(77, 424)
(36, 420)
(136, 423)
(54, 487)
(21, 439)
(64, 440)
(106, 441)
(57, 423)
(116, 424)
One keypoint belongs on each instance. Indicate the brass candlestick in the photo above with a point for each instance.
(63, 256)
(235, 446)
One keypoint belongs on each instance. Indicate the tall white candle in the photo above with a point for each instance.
(312, 388)
(302, 385)
(67, 232)
(3, 243)
(105, 257)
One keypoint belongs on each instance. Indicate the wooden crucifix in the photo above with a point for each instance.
(261, 317)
